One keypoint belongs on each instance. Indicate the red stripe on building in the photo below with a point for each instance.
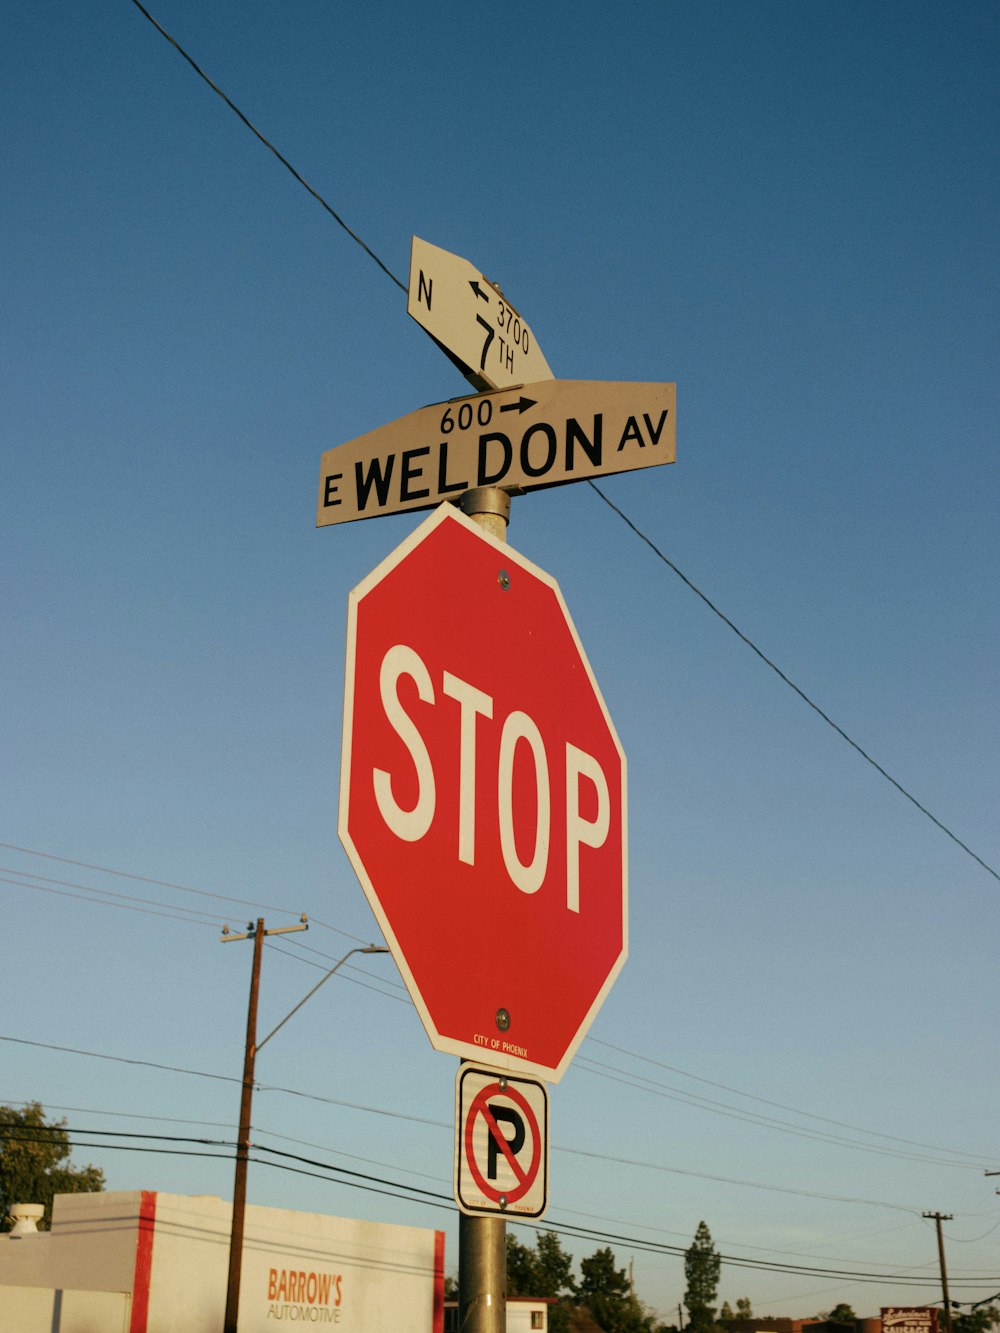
(438, 1321)
(143, 1261)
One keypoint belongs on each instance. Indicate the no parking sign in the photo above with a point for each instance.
(501, 1144)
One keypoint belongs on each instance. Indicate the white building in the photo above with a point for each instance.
(145, 1262)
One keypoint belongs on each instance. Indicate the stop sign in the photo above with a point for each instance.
(482, 800)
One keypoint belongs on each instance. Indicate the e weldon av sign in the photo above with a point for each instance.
(520, 438)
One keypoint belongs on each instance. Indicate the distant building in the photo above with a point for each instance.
(145, 1262)
(525, 1314)
(815, 1325)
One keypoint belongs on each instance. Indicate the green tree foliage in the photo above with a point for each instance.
(34, 1163)
(555, 1266)
(979, 1320)
(522, 1269)
(840, 1314)
(744, 1310)
(546, 1270)
(701, 1269)
(606, 1292)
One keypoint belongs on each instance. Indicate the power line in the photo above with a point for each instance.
(789, 682)
(781, 1106)
(211, 1124)
(314, 922)
(433, 1198)
(609, 1072)
(101, 897)
(754, 1118)
(440, 1124)
(122, 1059)
(737, 1262)
(732, 1180)
(625, 519)
(606, 1071)
(145, 879)
(763, 1249)
(260, 1130)
(100, 902)
(268, 145)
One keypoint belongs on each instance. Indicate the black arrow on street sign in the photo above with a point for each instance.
(479, 291)
(521, 405)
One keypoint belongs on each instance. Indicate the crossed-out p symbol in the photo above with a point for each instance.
(501, 1148)
(506, 1115)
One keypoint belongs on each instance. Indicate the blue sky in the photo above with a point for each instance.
(788, 209)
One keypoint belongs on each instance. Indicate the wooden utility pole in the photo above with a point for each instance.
(243, 1139)
(255, 933)
(938, 1219)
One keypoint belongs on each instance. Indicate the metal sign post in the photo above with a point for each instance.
(482, 1241)
(429, 799)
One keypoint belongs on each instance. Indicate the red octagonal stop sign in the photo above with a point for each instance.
(482, 797)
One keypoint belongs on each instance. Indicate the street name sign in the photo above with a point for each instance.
(470, 320)
(501, 1144)
(483, 797)
(519, 439)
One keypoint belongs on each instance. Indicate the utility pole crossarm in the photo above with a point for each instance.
(228, 936)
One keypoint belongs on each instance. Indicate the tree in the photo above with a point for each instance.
(607, 1293)
(744, 1310)
(554, 1264)
(980, 1319)
(546, 1270)
(522, 1269)
(604, 1290)
(841, 1314)
(34, 1163)
(701, 1268)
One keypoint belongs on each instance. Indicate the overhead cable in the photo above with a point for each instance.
(625, 519)
(264, 1088)
(434, 1198)
(755, 1118)
(781, 1106)
(789, 682)
(144, 879)
(267, 144)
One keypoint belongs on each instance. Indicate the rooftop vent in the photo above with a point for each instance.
(26, 1217)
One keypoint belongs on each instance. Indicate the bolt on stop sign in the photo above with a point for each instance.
(483, 797)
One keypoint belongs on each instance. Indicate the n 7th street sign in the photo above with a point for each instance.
(518, 439)
(473, 323)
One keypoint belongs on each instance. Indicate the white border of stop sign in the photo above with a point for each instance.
(397, 800)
